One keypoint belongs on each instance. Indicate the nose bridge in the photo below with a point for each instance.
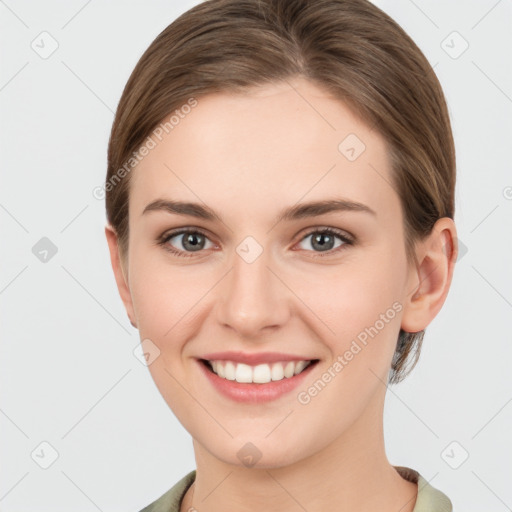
(253, 298)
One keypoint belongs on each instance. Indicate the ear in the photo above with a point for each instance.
(429, 280)
(120, 273)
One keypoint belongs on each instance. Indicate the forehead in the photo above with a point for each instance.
(272, 145)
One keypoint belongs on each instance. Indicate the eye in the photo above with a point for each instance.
(190, 240)
(194, 241)
(324, 240)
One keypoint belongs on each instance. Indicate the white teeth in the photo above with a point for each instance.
(300, 366)
(219, 369)
(277, 372)
(229, 370)
(259, 374)
(243, 373)
(288, 369)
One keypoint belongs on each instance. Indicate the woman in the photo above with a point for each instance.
(280, 203)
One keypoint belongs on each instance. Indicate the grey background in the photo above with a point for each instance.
(68, 374)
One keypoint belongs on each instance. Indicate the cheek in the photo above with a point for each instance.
(363, 309)
(169, 301)
(350, 297)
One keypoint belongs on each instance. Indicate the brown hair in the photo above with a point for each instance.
(350, 48)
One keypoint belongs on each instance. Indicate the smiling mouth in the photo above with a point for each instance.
(257, 374)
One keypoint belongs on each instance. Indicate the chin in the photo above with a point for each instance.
(259, 453)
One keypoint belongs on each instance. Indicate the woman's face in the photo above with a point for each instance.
(259, 277)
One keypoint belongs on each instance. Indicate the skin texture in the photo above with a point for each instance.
(247, 157)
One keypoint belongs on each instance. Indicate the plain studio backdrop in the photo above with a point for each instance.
(83, 427)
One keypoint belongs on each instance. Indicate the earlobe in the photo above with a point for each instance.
(430, 280)
(120, 273)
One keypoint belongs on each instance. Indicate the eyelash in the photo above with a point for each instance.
(347, 241)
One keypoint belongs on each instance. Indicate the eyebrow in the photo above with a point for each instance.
(299, 211)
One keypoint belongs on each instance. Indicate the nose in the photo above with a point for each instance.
(253, 299)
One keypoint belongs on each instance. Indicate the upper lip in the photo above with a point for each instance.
(254, 359)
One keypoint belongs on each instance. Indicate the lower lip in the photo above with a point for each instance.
(255, 393)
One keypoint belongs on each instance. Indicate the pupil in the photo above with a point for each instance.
(191, 240)
(323, 246)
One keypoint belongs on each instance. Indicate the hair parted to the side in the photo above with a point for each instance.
(350, 48)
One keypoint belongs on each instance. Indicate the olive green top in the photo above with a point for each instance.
(429, 499)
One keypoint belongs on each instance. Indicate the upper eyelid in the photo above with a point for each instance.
(183, 231)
